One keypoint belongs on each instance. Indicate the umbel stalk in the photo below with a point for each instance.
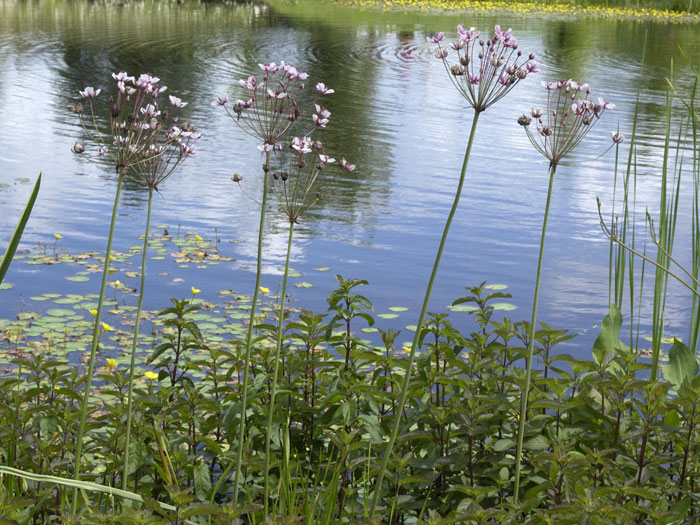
(278, 350)
(419, 325)
(531, 341)
(125, 473)
(249, 339)
(93, 348)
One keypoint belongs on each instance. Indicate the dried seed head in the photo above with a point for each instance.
(78, 108)
(524, 120)
(78, 148)
(236, 178)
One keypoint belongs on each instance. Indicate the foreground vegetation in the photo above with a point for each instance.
(273, 415)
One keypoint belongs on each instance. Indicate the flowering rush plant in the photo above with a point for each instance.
(485, 70)
(295, 187)
(271, 105)
(143, 136)
(566, 120)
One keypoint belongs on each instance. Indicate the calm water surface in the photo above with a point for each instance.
(395, 114)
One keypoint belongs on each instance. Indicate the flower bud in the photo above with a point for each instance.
(78, 148)
(236, 178)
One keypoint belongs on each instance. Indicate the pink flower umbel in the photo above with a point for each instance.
(559, 128)
(144, 141)
(567, 119)
(485, 70)
(270, 107)
(304, 161)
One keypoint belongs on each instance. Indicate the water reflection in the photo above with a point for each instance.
(395, 114)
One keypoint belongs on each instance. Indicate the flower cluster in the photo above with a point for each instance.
(295, 186)
(569, 116)
(485, 70)
(270, 107)
(143, 138)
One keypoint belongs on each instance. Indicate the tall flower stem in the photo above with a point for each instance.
(531, 340)
(125, 473)
(278, 350)
(249, 338)
(419, 325)
(93, 348)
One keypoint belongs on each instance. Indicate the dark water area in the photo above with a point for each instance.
(395, 114)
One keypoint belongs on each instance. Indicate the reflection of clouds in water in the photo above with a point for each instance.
(395, 114)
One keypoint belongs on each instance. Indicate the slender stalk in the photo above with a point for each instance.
(531, 340)
(278, 349)
(249, 339)
(129, 404)
(93, 348)
(419, 326)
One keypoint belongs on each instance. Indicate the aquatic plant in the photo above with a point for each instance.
(485, 71)
(559, 128)
(139, 138)
(268, 112)
(296, 189)
(170, 143)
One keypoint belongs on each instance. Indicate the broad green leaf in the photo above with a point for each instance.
(682, 365)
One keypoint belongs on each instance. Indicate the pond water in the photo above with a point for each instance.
(395, 114)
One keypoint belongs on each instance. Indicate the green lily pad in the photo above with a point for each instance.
(388, 316)
(506, 307)
(303, 284)
(398, 308)
(322, 269)
(462, 308)
(60, 312)
(496, 286)
(6, 286)
(78, 279)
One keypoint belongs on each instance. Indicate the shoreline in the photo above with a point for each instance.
(527, 9)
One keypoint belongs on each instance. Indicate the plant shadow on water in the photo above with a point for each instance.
(250, 408)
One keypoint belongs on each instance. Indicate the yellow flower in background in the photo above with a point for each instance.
(106, 327)
(58, 236)
(92, 312)
(112, 363)
(151, 375)
(197, 237)
(195, 291)
(264, 290)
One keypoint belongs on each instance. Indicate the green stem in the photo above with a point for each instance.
(125, 473)
(278, 350)
(531, 340)
(249, 340)
(93, 348)
(419, 326)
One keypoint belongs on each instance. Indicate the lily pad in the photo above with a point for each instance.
(398, 308)
(388, 316)
(60, 312)
(303, 284)
(6, 286)
(496, 286)
(506, 307)
(462, 308)
(322, 269)
(77, 278)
